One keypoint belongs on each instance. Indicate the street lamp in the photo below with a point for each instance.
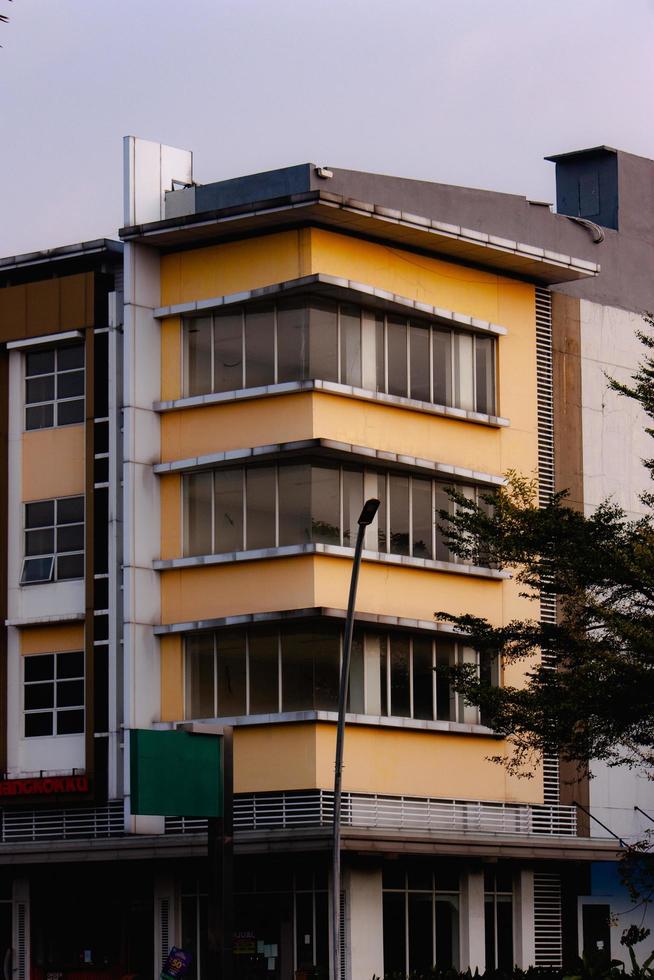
(366, 517)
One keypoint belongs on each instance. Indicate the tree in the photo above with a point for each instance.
(590, 696)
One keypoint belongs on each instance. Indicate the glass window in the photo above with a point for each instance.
(420, 381)
(325, 505)
(352, 504)
(324, 341)
(261, 506)
(295, 513)
(54, 540)
(442, 360)
(400, 676)
(445, 704)
(263, 660)
(198, 513)
(351, 346)
(423, 678)
(398, 508)
(423, 520)
(396, 337)
(292, 341)
(421, 923)
(259, 346)
(463, 371)
(326, 670)
(228, 504)
(227, 352)
(54, 387)
(484, 375)
(200, 676)
(297, 671)
(498, 921)
(231, 671)
(53, 694)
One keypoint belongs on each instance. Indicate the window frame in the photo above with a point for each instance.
(56, 400)
(55, 710)
(55, 554)
(375, 325)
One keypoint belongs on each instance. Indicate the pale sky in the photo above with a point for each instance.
(472, 92)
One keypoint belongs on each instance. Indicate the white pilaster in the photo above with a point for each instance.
(365, 923)
(473, 946)
(524, 950)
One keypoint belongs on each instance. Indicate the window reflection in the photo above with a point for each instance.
(259, 507)
(314, 338)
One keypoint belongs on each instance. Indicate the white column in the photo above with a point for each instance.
(364, 923)
(167, 925)
(523, 919)
(473, 946)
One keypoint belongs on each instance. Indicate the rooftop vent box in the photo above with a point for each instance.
(587, 185)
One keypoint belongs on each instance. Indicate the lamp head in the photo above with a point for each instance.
(369, 512)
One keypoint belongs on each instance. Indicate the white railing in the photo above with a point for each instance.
(314, 808)
(81, 823)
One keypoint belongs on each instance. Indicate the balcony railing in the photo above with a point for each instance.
(314, 809)
(79, 823)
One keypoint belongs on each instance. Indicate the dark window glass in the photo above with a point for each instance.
(380, 353)
(485, 375)
(383, 674)
(396, 329)
(325, 505)
(420, 363)
(351, 346)
(423, 679)
(39, 417)
(39, 514)
(70, 510)
(198, 356)
(421, 932)
(504, 933)
(443, 503)
(323, 319)
(489, 933)
(70, 537)
(264, 675)
(40, 362)
(198, 511)
(200, 676)
(447, 933)
(101, 436)
(292, 341)
(444, 693)
(231, 673)
(295, 524)
(38, 724)
(228, 352)
(297, 671)
(382, 513)
(39, 696)
(70, 693)
(399, 514)
(101, 471)
(259, 347)
(228, 502)
(442, 341)
(70, 384)
(304, 931)
(37, 570)
(69, 358)
(40, 389)
(70, 566)
(394, 933)
(400, 696)
(40, 542)
(325, 649)
(422, 518)
(70, 722)
(70, 413)
(352, 504)
(356, 690)
(70, 664)
(40, 667)
(260, 496)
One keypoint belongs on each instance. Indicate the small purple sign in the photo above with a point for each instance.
(177, 963)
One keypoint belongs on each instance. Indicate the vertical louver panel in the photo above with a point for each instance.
(547, 920)
(343, 944)
(164, 929)
(22, 940)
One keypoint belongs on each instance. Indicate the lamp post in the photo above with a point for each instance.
(366, 517)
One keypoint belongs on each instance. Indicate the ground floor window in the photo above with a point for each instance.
(498, 919)
(421, 916)
(281, 921)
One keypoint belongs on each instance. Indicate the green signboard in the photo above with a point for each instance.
(176, 773)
